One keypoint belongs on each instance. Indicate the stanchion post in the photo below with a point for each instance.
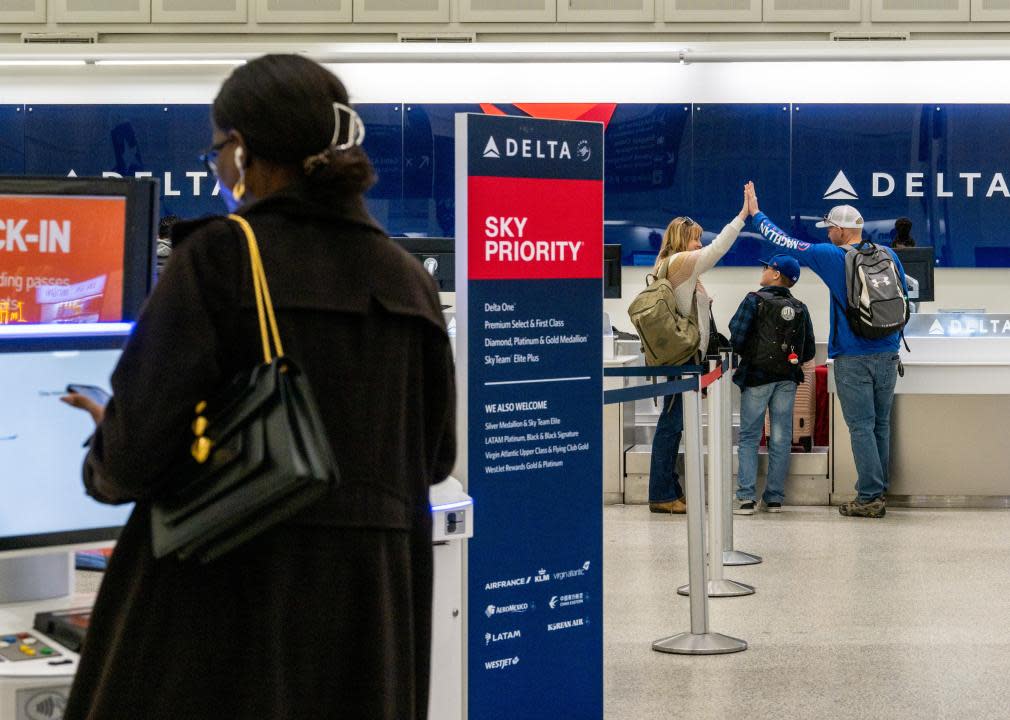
(730, 556)
(717, 585)
(699, 641)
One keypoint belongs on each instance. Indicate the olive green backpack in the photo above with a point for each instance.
(668, 337)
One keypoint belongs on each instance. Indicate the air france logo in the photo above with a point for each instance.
(583, 150)
(788, 314)
(840, 189)
(491, 149)
(513, 582)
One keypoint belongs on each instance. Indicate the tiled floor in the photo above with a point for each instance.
(905, 617)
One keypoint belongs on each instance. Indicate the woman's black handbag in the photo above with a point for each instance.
(261, 451)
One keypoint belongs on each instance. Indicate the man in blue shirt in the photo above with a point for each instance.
(865, 369)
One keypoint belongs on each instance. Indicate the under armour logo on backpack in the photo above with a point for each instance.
(878, 281)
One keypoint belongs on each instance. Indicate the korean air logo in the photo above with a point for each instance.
(840, 189)
(491, 149)
(583, 150)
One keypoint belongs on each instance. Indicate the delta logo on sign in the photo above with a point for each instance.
(945, 185)
(538, 149)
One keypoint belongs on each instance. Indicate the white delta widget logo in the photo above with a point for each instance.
(945, 184)
(505, 242)
(537, 149)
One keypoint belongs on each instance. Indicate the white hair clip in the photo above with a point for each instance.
(356, 129)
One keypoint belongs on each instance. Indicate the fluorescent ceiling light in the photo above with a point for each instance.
(40, 63)
(231, 62)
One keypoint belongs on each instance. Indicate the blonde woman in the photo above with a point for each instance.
(685, 260)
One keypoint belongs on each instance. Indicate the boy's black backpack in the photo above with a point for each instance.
(779, 331)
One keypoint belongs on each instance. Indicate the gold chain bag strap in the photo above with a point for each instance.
(261, 450)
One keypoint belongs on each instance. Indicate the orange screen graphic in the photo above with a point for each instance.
(61, 259)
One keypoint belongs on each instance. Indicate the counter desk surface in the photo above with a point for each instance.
(948, 423)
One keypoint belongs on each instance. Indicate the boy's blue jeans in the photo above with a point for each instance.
(778, 397)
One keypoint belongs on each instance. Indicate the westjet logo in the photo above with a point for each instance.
(942, 185)
(840, 189)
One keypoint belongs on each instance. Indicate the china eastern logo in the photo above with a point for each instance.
(917, 184)
(535, 149)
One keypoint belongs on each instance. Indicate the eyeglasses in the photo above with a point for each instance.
(830, 223)
(210, 155)
(687, 222)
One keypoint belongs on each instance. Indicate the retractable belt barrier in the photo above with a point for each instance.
(699, 640)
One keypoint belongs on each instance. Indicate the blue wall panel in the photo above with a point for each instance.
(661, 160)
(12, 139)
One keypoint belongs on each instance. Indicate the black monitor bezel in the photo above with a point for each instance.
(611, 271)
(139, 260)
(920, 255)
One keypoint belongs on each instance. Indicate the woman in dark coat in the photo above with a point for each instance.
(327, 615)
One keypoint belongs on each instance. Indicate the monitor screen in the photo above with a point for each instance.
(918, 263)
(437, 254)
(612, 271)
(41, 449)
(75, 250)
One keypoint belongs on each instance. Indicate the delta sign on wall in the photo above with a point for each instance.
(940, 165)
(529, 247)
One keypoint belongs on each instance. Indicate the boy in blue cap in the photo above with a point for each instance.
(773, 335)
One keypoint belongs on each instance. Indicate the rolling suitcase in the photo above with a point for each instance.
(804, 410)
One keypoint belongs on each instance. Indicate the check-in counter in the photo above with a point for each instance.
(618, 432)
(950, 419)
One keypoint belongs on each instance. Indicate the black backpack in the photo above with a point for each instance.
(779, 332)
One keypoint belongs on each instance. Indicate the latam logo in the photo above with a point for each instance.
(537, 149)
(945, 185)
(499, 637)
(48, 236)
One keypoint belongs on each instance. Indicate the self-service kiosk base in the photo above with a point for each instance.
(38, 638)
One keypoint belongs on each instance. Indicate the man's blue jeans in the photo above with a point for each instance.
(865, 387)
(663, 485)
(778, 397)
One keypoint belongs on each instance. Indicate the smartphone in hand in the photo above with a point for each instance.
(92, 392)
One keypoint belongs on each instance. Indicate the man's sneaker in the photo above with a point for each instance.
(773, 507)
(874, 508)
(743, 507)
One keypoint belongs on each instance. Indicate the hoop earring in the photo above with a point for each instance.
(238, 191)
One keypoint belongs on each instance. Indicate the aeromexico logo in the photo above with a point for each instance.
(917, 184)
(538, 149)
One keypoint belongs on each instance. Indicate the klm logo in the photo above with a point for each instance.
(840, 189)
